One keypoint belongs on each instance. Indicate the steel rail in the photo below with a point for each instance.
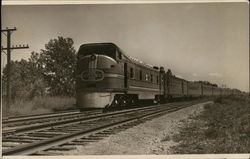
(33, 118)
(13, 118)
(46, 116)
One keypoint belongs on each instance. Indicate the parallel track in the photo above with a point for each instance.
(27, 120)
(45, 138)
(37, 115)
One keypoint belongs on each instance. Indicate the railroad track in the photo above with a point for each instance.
(46, 138)
(36, 115)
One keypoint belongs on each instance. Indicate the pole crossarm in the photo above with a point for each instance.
(17, 47)
(7, 29)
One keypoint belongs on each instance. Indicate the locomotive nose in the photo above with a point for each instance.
(93, 99)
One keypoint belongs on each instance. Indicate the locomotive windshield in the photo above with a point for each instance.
(107, 49)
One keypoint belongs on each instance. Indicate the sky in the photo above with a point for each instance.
(197, 41)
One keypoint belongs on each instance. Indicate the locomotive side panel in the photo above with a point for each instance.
(143, 81)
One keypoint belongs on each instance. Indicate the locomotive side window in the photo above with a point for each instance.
(146, 77)
(131, 73)
(151, 77)
(119, 55)
(157, 79)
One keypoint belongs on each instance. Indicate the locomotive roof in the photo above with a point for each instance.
(105, 43)
(98, 44)
(128, 57)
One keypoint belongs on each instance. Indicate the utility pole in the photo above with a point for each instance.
(9, 48)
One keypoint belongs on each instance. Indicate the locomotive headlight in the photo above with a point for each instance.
(93, 57)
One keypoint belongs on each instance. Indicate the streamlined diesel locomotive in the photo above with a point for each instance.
(107, 77)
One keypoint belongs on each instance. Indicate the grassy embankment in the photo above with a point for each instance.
(38, 105)
(223, 127)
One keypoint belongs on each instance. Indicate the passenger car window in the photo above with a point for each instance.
(140, 75)
(131, 72)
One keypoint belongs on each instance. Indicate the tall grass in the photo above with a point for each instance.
(223, 127)
(38, 105)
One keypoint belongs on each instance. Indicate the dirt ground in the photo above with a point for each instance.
(151, 137)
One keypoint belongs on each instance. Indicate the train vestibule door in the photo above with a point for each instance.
(125, 75)
(182, 87)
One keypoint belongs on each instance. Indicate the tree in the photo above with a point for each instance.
(53, 68)
(208, 83)
(57, 63)
(26, 80)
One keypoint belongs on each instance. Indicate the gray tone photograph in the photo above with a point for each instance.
(125, 79)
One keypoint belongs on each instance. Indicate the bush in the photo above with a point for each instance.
(26, 80)
(38, 105)
(223, 127)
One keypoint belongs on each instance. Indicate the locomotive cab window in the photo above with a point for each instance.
(119, 54)
(151, 78)
(99, 49)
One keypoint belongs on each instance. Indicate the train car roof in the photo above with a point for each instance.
(139, 62)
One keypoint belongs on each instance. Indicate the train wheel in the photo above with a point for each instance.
(129, 101)
(114, 105)
(118, 102)
(157, 100)
(123, 102)
(132, 102)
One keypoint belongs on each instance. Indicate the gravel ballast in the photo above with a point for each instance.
(151, 137)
